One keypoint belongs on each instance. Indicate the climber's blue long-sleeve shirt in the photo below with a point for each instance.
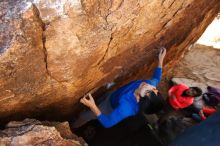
(124, 102)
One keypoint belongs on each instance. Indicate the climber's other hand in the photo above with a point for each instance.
(162, 54)
(88, 101)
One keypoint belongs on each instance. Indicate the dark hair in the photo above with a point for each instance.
(198, 91)
(151, 104)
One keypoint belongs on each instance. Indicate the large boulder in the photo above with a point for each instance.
(53, 52)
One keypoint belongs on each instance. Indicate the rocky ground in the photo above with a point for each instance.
(30, 132)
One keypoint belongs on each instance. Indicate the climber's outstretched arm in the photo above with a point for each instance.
(156, 78)
(118, 114)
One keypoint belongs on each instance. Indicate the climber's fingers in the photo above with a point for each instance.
(89, 94)
(82, 100)
(162, 50)
(162, 53)
(87, 100)
(85, 97)
(90, 97)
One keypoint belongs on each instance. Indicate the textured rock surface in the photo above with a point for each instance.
(53, 52)
(31, 132)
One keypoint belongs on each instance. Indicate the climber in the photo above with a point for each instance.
(139, 96)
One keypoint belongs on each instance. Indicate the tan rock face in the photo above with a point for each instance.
(32, 132)
(53, 52)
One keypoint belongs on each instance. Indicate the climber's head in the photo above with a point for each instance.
(145, 88)
(193, 92)
(151, 103)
